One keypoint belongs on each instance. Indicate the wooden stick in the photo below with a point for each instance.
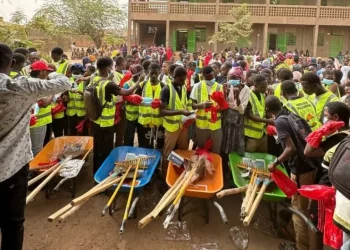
(173, 187)
(94, 191)
(43, 174)
(231, 191)
(129, 198)
(71, 211)
(115, 191)
(63, 210)
(252, 196)
(247, 194)
(256, 203)
(38, 188)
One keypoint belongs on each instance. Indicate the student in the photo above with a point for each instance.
(216, 67)
(282, 75)
(329, 83)
(60, 63)
(299, 105)
(200, 96)
(312, 85)
(132, 110)
(38, 132)
(224, 69)
(164, 76)
(103, 127)
(24, 52)
(173, 108)
(255, 118)
(150, 123)
(250, 78)
(16, 70)
(302, 172)
(19, 94)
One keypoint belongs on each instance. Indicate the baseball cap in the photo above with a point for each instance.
(40, 65)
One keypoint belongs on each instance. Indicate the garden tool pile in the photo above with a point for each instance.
(62, 163)
(195, 168)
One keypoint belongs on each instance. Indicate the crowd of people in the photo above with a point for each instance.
(168, 100)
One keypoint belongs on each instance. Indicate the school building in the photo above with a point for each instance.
(321, 26)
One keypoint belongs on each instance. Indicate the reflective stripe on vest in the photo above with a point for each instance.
(58, 115)
(43, 117)
(14, 74)
(173, 123)
(304, 109)
(108, 112)
(131, 110)
(70, 111)
(321, 101)
(251, 128)
(202, 117)
(328, 88)
(79, 100)
(148, 115)
(117, 78)
(61, 67)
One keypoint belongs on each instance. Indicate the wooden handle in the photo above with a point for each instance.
(63, 210)
(43, 174)
(38, 188)
(249, 191)
(144, 221)
(252, 197)
(256, 203)
(70, 212)
(231, 191)
(185, 185)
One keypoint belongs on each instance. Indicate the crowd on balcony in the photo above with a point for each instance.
(244, 101)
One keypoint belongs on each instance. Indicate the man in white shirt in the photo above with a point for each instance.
(17, 98)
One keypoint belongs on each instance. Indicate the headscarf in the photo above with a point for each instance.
(236, 71)
(297, 75)
(266, 63)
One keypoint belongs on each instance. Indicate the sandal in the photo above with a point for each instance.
(287, 246)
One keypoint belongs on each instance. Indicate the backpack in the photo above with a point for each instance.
(93, 105)
(339, 168)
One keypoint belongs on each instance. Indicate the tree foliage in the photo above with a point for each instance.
(113, 39)
(238, 31)
(91, 17)
(18, 17)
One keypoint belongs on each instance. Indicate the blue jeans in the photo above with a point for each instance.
(346, 242)
(37, 137)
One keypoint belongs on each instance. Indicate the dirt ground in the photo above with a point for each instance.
(86, 229)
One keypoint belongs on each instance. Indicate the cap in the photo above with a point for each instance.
(40, 65)
(136, 69)
(78, 66)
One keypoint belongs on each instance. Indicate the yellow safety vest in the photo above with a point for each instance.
(79, 100)
(277, 93)
(24, 72)
(148, 115)
(43, 117)
(131, 110)
(329, 86)
(108, 112)
(321, 101)
(117, 78)
(202, 117)
(174, 123)
(70, 111)
(305, 109)
(62, 66)
(251, 128)
(14, 74)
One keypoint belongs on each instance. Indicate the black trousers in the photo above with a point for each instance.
(60, 127)
(144, 134)
(13, 193)
(129, 135)
(72, 123)
(48, 133)
(120, 130)
(103, 144)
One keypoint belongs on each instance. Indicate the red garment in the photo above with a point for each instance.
(118, 107)
(284, 183)
(58, 108)
(207, 58)
(32, 120)
(188, 80)
(169, 53)
(314, 138)
(80, 126)
(126, 78)
(271, 130)
(133, 99)
(155, 104)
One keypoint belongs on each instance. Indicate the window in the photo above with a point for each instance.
(320, 39)
(201, 35)
(291, 39)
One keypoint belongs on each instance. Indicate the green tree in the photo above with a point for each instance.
(18, 17)
(113, 39)
(236, 32)
(91, 17)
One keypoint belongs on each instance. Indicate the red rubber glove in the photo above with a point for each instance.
(134, 99)
(271, 130)
(40, 103)
(58, 108)
(80, 126)
(118, 107)
(188, 123)
(214, 113)
(126, 78)
(314, 139)
(284, 183)
(155, 104)
(218, 97)
(32, 120)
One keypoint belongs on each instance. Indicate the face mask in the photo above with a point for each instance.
(325, 119)
(327, 81)
(298, 85)
(76, 77)
(210, 82)
(234, 83)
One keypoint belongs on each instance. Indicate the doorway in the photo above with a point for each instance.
(336, 45)
(272, 41)
(181, 39)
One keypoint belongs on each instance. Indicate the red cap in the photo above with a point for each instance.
(40, 65)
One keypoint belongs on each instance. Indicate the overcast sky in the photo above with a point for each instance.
(28, 6)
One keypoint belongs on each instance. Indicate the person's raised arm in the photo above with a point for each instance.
(288, 152)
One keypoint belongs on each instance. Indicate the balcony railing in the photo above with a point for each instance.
(256, 10)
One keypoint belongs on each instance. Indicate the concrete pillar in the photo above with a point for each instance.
(167, 33)
(314, 43)
(265, 34)
(129, 28)
(134, 32)
(216, 29)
